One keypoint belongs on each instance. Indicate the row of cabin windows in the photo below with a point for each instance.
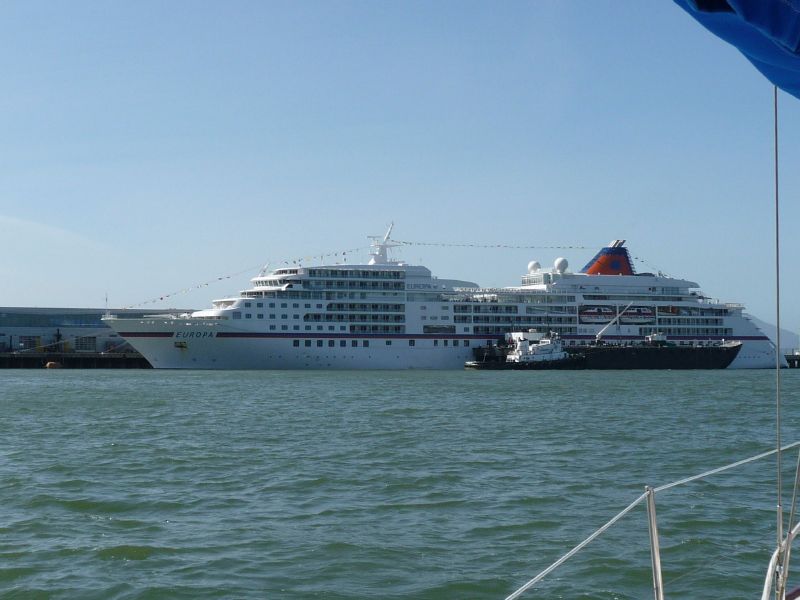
(340, 318)
(365, 343)
(687, 330)
(282, 294)
(358, 318)
(500, 329)
(341, 306)
(520, 320)
(354, 285)
(356, 273)
(307, 328)
(553, 319)
(238, 315)
(367, 328)
(377, 329)
(329, 294)
(689, 321)
(283, 305)
(331, 343)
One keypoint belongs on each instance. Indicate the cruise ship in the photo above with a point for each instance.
(388, 314)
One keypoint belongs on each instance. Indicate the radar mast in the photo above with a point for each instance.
(380, 246)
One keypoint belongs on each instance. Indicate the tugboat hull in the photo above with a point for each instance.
(659, 357)
(617, 357)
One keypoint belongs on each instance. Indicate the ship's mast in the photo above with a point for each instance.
(380, 247)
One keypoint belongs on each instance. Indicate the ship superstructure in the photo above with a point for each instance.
(391, 315)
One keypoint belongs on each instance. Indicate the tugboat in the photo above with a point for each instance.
(533, 350)
(526, 350)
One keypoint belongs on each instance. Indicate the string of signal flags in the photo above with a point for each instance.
(343, 254)
(513, 247)
(474, 245)
(288, 262)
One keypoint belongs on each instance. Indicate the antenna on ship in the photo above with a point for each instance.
(380, 245)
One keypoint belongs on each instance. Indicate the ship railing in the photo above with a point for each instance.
(114, 317)
(774, 573)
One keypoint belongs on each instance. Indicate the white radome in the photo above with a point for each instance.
(561, 265)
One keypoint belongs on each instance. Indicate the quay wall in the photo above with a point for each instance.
(73, 360)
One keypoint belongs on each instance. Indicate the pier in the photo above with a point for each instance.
(73, 360)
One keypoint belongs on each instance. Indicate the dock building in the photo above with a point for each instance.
(64, 329)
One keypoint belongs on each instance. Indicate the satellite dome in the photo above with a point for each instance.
(534, 266)
(561, 265)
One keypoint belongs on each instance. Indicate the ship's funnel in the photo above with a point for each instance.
(611, 260)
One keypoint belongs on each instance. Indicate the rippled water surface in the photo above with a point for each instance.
(153, 484)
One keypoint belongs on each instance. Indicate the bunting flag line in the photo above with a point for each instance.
(162, 297)
(516, 247)
(653, 268)
(342, 254)
(505, 246)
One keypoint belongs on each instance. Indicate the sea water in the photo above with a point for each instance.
(432, 485)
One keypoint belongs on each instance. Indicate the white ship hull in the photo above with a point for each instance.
(187, 344)
(191, 344)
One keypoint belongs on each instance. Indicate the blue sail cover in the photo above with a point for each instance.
(767, 32)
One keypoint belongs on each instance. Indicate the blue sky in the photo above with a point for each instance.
(150, 147)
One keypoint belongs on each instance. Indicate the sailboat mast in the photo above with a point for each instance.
(778, 334)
